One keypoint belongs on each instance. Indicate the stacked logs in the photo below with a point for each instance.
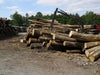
(61, 37)
(91, 44)
(5, 28)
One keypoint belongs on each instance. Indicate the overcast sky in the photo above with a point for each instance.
(8, 7)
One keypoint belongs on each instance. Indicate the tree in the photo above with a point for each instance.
(31, 17)
(39, 14)
(17, 19)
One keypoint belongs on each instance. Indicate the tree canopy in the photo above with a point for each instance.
(74, 19)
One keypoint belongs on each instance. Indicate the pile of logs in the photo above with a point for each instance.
(5, 28)
(61, 37)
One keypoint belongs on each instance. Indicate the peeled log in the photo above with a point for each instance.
(70, 44)
(91, 44)
(84, 37)
(62, 37)
(95, 55)
(90, 51)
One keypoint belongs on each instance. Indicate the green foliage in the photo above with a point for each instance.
(17, 19)
(74, 19)
(39, 14)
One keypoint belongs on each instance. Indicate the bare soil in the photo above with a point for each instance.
(17, 59)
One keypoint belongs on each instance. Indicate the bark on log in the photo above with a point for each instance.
(70, 44)
(84, 37)
(35, 33)
(62, 37)
(43, 38)
(90, 51)
(32, 40)
(91, 44)
(95, 55)
(53, 45)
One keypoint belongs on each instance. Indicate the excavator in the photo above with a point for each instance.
(79, 21)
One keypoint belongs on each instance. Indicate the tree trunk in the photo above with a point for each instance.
(84, 37)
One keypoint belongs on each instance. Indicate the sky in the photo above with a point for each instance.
(9, 7)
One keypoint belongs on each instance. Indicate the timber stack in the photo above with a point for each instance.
(61, 37)
(5, 28)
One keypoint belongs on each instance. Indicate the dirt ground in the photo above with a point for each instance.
(17, 59)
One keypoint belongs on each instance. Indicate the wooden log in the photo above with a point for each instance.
(35, 33)
(84, 37)
(53, 45)
(90, 51)
(70, 44)
(88, 45)
(22, 41)
(62, 37)
(46, 33)
(32, 40)
(35, 45)
(44, 38)
(95, 55)
(73, 51)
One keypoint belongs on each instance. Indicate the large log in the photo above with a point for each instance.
(88, 45)
(84, 37)
(70, 44)
(32, 40)
(90, 51)
(62, 37)
(53, 45)
(95, 55)
(35, 33)
(44, 38)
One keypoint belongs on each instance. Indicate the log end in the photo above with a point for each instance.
(91, 58)
(70, 34)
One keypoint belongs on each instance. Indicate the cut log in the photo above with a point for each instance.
(36, 45)
(73, 51)
(62, 37)
(84, 37)
(43, 38)
(22, 41)
(70, 44)
(46, 33)
(32, 40)
(91, 44)
(35, 33)
(53, 45)
(94, 56)
(90, 51)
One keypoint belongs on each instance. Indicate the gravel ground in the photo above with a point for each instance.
(17, 59)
